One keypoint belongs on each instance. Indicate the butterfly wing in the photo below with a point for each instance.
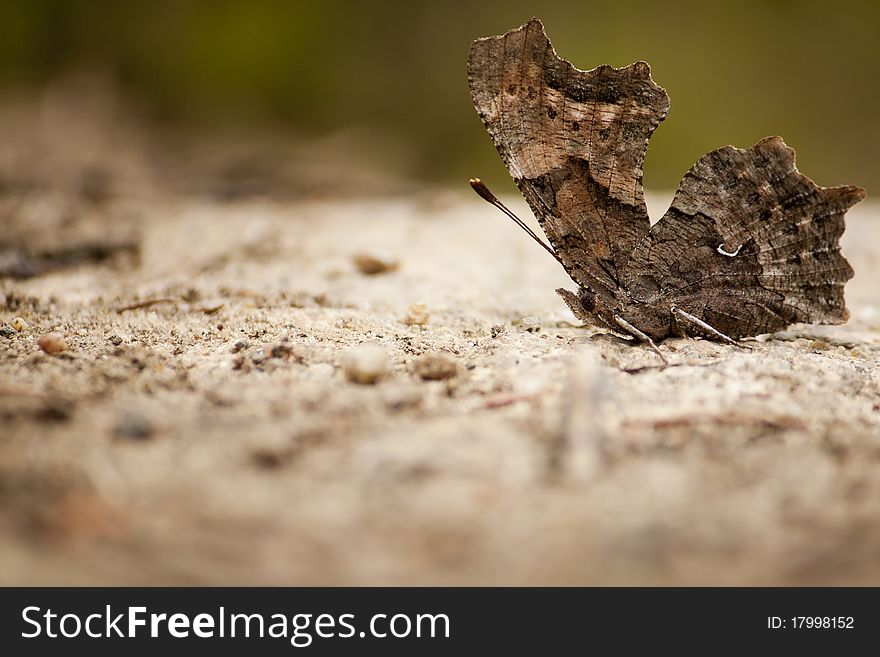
(574, 142)
(749, 244)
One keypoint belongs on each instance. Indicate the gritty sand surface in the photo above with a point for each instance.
(215, 437)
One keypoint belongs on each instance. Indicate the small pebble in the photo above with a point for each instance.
(55, 409)
(417, 315)
(530, 323)
(267, 459)
(372, 264)
(366, 364)
(18, 324)
(134, 426)
(115, 340)
(322, 300)
(52, 343)
(7, 331)
(283, 351)
(346, 322)
(497, 330)
(279, 350)
(242, 363)
(435, 367)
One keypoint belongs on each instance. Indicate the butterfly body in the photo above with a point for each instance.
(749, 245)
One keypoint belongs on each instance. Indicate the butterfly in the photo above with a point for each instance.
(748, 246)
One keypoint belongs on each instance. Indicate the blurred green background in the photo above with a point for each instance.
(395, 71)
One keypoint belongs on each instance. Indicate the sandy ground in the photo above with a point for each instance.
(216, 437)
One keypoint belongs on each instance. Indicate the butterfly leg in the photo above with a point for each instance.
(639, 335)
(708, 328)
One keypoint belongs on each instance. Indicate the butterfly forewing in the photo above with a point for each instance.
(574, 142)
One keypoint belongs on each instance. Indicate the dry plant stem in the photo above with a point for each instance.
(146, 304)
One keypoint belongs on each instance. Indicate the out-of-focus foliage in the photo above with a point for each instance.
(395, 70)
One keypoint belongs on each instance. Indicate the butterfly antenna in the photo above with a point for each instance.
(480, 188)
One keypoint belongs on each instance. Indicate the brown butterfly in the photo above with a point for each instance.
(748, 246)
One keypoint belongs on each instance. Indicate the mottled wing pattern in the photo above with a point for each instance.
(574, 142)
(749, 244)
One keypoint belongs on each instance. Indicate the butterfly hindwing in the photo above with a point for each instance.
(749, 244)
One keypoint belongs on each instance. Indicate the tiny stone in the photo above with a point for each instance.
(322, 300)
(283, 351)
(18, 324)
(346, 322)
(7, 331)
(52, 343)
(531, 323)
(134, 426)
(56, 409)
(372, 264)
(435, 367)
(497, 330)
(366, 364)
(115, 340)
(267, 459)
(242, 363)
(417, 315)
(241, 345)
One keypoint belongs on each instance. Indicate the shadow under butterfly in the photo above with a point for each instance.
(749, 245)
